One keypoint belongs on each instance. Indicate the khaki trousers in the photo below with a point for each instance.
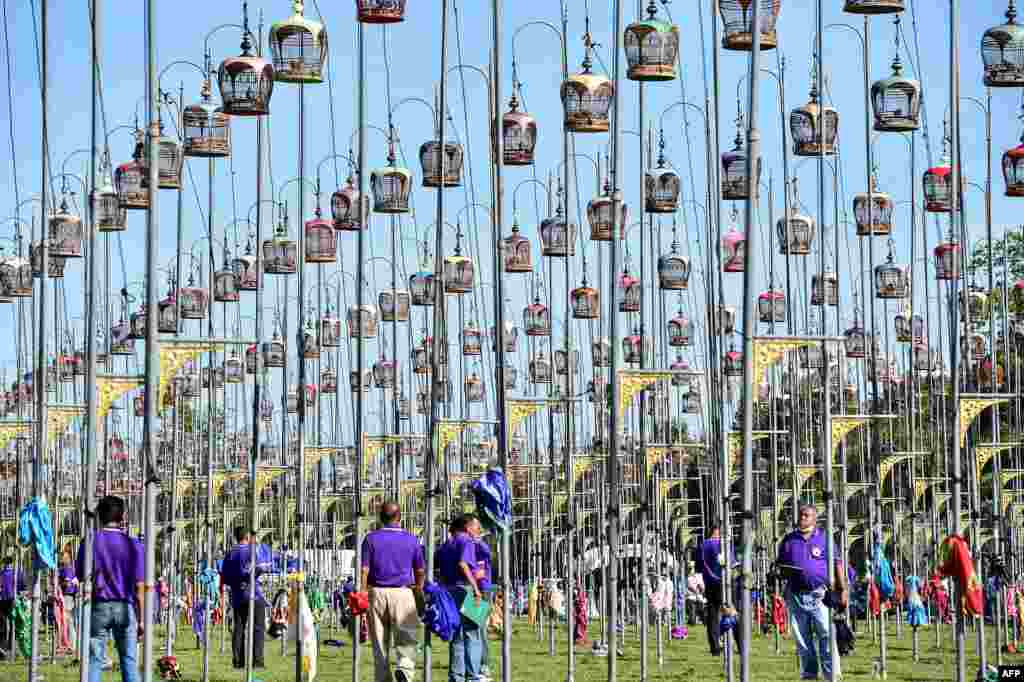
(393, 613)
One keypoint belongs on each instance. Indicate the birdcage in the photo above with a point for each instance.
(421, 284)
(458, 274)
(345, 208)
(662, 189)
(292, 400)
(380, 11)
(330, 330)
(586, 99)
(974, 305)
(169, 162)
(732, 364)
(938, 187)
(811, 357)
(734, 246)
(825, 289)
(515, 251)
(585, 303)
(431, 159)
(680, 331)
(873, 213)
(274, 352)
(510, 337)
(973, 345)
(234, 371)
(121, 342)
(723, 321)
(557, 237)
(246, 82)
(321, 243)
(218, 377)
(65, 233)
(394, 305)
(390, 187)
(892, 281)
(601, 216)
(738, 19)
(519, 133)
(651, 48)
(194, 302)
(925, 359)
(797, 235)
(298, 47)
(138, 323)
(808, 132)
(508, 376)
(567, 363)
(309, 344)
(635, 347)
(474, 388)
(207, 128)
(362, 322)
(353, 380)
(540, 369)
(537, 319)
(948, 257)
(385, 373)
(245, 268)
(251, 359)
(131, 193)
(225, 285)
(54, 265)
(280, 253)
(167, 315)
(628, 293)
(601, 352)
(873, 6)
(1013, 171)
(472, 340)
(909, 327)
(771, 306)
(1002, 51)
(673, 272)
(328, 382)
(896, 101)
(107, 213)
(15, 277)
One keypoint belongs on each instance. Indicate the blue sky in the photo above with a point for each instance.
(411, 70)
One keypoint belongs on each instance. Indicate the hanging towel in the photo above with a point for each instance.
(581, 612)
(955, 561)
(883, 570)
(534, 600)
(493, 500)
(917, 615)
(441, 615)
(297, 604)
(779, 616)
(35, 527)
(22, 620)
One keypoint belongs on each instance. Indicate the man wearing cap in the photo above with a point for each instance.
(235, 572)
(803, 556)
(457, 560)
(393, 572)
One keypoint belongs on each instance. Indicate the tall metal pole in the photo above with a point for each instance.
(300, 502)
(613, 339)
(149, 433)
(749, 327)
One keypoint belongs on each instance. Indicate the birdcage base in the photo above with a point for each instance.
(518, 158)
(207, 147)
(873, 6)
(321, 258)
(651, 72)
(119, 226)
(135, 201)
(1015, 190)
(558, 252)
(735, 191)
(656, 206)
(518, 268)
(582, 123)
(390, 208)
(812, 149)
(742, 42)
(1004, 76)
(794, 251)
(936, 206)
(435, 181)
(897, 125)
(672, 285)
(877, 230)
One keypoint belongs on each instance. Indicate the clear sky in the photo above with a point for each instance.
(404, 62)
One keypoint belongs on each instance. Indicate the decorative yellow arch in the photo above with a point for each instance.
(768, 351)
(109, 388)
(970, 408)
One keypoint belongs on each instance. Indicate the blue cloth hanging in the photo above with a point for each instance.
(917, 614)
(441, 615)
(883, 570)
(493, 500)
(35, 527)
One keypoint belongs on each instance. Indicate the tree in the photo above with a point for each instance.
(978, 261)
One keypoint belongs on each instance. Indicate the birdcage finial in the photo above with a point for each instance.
(652, 10)
(1011, 12)
(246, 33)
(661, 148)
(738, 141)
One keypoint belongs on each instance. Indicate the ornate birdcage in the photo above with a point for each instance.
(247, 270)
(298, 47)
(511, 374)
(474, 388)
(423, 357)
(873, 6)
(673, 271)
(66, 367)
(472, 340)
(635, 347)
(191, 382)
(628, 292)
(391, 185)
(362, 322)
(938, 186)
(974, 305)
(515, 251)
(380, 11)
(925, 360)
(226, 284)
(651, 48)
(679, 379)
(169, 162)
(737, 20)
(394, 305)
(873, 217)
(15, 277)
(321, 244)
(735, 183)
(107, 213)
(64, 233)
(385, 373)
(734, 246)
(280, 253)
(246, 82)
(345, 208)
(251, 359)
(680, 331)
(1002, 51)
(353, 380)
(948, 258)
(328, 382)
(567, 363)
(797, 235)
(458, 274)
(421, 286)
(309, 344)
(330, 330)
(234, 371)
(723, 320)
(825, 289)
(896, 101)
(557, 236)
(585, 302)
(540, 369)
(732, 364)
(510, 337)
(662, 186)
(586, 98)
(855, 342)
(194, 302)
(771, 306)
(601, 352)
(131, 193)
(601, 216)
(218, 377)
(537, 319)
(54, 265)
(909, 327)
(167, 315)
(811, 357)
(121, 341)
(274, 351)
(431, 159)
(138, 323)
(139, 405)
(892, 281)
(990, 373)
(207, 128)
(807, 130)
(292, 400)
(973, 345)
(519, 132)
(1013, 171)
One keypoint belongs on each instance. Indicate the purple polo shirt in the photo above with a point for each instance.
(119, 562)
(234, 572)
(809, 555)
(391, 554)
(68, 580)
(7, 580)
(710, 566)
(461, 547)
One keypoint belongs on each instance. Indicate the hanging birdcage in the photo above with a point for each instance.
(167, 315)
(362, 322)
(723, 321)
(601, 352)
(309, 344)
(330, 330)
(771, 306)
(225, 285)
(280, 254)
(421, 286)
(380, 11)
(510, 375)
(510, 337)
(246, 82)
(292, 400)
(925, 360)
(737, 20)
(680, 331)
(635, 347)
(938, 187)
(540, 370)
(207, 128)
(218, 377)
(805, 126)
(732, 364)
(557, 237)
(974, 305)
(586, 99)
(138, 323)
(107, 213)
(266, 414)
(345, 208)
(251, 359)
(66, 367)
(585, 302)
(328, 382)
(990, 373)
(877, 220)
(948, 257)
(321, 244)
(139, 405)
(121, 342)
(391, 187)
(474, 388)
(537, 319)
(811, 357)
(681, 377)
(298, 47)
(909, 327)
(892, 281)
(385, 374)
(472, 340)
(601, 216)
(973, 345)
(567, 363)
(673, 272)
(423, 357)
(825, 289)
(234, 372)
(458, 274)
(128, 178)
(896, 101)
(353, 380)
(515, 251)
(735, 182)
(662, 190)
(246, 270)
(1013, 171)
(519, 132)
(628, 292)
(169, 162)
(796, 236)
(430, 163)
(274, 352)
(15, 277)
(734, 246)
(1002, 51)
(194, 302)
(54, 266)
(394, 305)
(65, 233)
(191, 382)
(651, 48)
(692, 401)
(873, 6)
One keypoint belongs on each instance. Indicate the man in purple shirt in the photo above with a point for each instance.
(117, 585)
(11, 583)
(235, 573)
(457, 561)
(391, 569)
(803, 560)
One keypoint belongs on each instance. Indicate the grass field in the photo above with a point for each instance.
(683, 661)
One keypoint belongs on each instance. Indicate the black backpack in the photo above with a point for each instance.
(844, 637)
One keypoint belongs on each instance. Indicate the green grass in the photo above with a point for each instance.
(683, 661)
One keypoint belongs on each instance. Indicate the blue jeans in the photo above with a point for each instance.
(116, 619)
(464, 653)
(809, 619)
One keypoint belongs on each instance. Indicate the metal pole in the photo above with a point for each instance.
(300, 503)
